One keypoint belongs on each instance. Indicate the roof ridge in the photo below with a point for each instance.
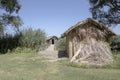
(90, 20)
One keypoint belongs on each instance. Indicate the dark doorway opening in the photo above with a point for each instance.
(52, 41)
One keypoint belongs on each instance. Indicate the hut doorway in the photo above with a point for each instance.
(53, 41)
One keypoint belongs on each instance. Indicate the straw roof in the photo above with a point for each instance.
(90, 21)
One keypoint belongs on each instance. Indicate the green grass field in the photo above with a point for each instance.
(36, 67)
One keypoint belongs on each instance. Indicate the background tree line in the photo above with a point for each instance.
(29, 38)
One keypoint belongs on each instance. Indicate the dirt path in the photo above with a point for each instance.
(50, 48)
(50, 53)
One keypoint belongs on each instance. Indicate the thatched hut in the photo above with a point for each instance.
(52, 40)
(86, 42)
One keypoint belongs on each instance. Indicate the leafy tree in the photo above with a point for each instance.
(9, 9)
(106, 11)
(32, 38)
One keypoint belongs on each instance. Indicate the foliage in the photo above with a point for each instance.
(32, 38)
(117, 61)
(61, 44)
(106, 11)
(9, 42)
(29, 38)
(115, 44)
(10, 6)
(9, 9)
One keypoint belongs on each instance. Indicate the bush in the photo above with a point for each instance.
(115, 44)
(9, 42)
(29, 38)
(61, 44)
(33, 39)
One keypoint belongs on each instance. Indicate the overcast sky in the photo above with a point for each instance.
(54, 16)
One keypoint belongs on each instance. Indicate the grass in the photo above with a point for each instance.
(31, 66)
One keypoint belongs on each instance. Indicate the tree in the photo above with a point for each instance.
(106, 11)
(9, 9)
(32, 38)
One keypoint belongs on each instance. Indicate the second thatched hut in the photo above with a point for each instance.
(86, 42)
(52, 40)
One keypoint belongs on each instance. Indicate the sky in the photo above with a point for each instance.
(54, 16)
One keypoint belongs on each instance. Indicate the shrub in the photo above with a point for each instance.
(61, 44)
(9, 42)
(115, 44)
(33, 39)
(29, 38)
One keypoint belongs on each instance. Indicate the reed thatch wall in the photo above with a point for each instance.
(86, 42)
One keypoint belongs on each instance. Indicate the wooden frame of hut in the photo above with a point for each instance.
(52, 40)
(86, 42)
